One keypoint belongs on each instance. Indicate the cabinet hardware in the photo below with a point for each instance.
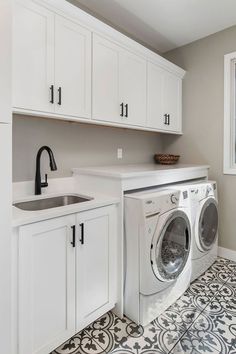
(126, 110)
(82, 233)
(59, 98)
(73, 236)
(52, 94)
(122, 110)
(166, 119)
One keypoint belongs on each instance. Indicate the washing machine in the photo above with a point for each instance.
(204, 214)
(157, 251)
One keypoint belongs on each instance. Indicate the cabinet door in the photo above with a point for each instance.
(133, 88)
(106, 86)
(155, 95)
(95, 264)
(33, 56)
(72, 68)
(46, 285)
(172, 101)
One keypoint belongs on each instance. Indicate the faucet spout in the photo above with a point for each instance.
(53, 167)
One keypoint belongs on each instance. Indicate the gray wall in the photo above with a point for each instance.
(76, 145)
(203, 118)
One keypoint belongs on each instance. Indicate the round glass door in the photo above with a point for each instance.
(208, 224)
(172, 249)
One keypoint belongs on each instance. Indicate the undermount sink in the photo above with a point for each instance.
(48, 203)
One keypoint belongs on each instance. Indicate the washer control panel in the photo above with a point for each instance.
(164, 201)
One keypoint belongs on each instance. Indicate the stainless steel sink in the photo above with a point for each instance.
(48, 203)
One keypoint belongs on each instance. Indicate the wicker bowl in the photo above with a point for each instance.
(166, 159)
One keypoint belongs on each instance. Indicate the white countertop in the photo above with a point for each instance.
(22, 217)
(132, 171)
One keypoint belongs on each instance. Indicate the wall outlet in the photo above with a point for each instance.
(119, 153)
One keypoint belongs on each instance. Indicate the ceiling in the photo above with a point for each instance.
(164, 24)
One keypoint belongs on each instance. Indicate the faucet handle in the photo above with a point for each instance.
(45, 184)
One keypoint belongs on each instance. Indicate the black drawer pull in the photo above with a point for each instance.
(73, 236)
(59, 92)
(122, 110)
(82, 233)
(126, 110)
(52, 94)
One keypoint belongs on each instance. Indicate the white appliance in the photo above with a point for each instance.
(158, 251)
(204, 213)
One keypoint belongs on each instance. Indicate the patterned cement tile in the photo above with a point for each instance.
(81, 343)
(202, 320)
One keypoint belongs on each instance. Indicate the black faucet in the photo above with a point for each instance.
(53, 166)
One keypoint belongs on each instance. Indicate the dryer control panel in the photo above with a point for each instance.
(203, 191)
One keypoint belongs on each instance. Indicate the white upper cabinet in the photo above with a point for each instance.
(68, 65)
(33, 56)
(119, 84)
(155, 84)
(46, 285)
(172, 101)
(72, 68)
(51, 62)
(164, 99)
(106, 85)
(133, 88)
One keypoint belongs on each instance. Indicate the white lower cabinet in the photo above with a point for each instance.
(95, 265)
(46, 285)
(66, 277)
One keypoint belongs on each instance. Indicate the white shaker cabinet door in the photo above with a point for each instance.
(46, 285)
(33, 56)
(72, 69)
(133, 88)
(95, 264)
(155, 95)
(106, 84)
(172, 102)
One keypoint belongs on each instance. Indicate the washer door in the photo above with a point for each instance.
(171, 246)
(207, 225)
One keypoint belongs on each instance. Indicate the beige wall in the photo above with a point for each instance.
(203, 118)
(76, 145)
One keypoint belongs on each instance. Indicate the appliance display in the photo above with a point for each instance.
(158, 251)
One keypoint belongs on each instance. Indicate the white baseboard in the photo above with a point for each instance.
(226, 253)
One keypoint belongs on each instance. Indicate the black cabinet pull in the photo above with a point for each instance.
(73, 236)
(122, 110)
(126, 110)
(166, 119)
(52, 94)
(59, 93)
(82, 233)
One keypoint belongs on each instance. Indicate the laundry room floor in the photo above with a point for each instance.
(202, 320)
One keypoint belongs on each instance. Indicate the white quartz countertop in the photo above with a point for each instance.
(132, 171)
(22, 217)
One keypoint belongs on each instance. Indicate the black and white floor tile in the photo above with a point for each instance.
(202, 320)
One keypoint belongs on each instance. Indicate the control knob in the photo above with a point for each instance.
(174, 199)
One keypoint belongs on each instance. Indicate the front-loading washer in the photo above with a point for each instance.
(204, 213)
(158, 252)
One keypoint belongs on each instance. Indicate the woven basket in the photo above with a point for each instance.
(166, 159)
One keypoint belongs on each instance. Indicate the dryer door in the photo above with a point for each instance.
(171, 243)
(206, 224)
